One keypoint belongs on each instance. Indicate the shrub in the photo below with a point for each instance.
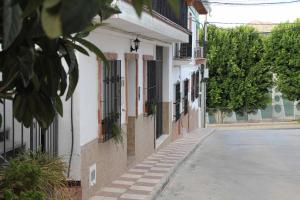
(34, 176)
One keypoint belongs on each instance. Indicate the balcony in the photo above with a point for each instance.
(161, 24)
(163, 8)
(183, 51)
(199, 53)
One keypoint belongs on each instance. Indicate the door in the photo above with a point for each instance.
(159, 91)
(154, 91)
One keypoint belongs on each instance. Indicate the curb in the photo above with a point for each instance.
(164, 181)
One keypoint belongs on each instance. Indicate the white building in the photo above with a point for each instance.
(122, 93)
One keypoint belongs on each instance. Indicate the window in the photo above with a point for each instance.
(193, 87)
(177, 101)
(197, 89)
(111, 99)
(185, 98)
(150, 99)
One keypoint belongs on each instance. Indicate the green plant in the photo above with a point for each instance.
(111, 124)
(150, 107)
(34, 175)
(282, 53)
(117, 133)
(239, 79)
(36, 38)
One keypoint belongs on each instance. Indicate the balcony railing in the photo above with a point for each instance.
(198, 52)
(184, 50)
(163, 8)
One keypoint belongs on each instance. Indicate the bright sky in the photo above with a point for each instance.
(264, 13)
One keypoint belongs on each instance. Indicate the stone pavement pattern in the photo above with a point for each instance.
(241, 165)
(145, 180)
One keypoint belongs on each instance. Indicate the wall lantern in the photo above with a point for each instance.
(136, 43)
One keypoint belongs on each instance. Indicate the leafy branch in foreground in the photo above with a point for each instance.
(36, 37)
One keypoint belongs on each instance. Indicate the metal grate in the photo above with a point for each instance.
(185, 98)
(151, 86)
(177, 101)
(193, 87)
(15, 138)
(197, 87)
(184, 50)
(163, 8)
(111, 103)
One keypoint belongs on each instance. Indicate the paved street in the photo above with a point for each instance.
(241, 165)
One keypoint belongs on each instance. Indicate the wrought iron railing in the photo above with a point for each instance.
(177, 101)
(163, 8)
(185, 98)
(184, 50)
(15, 137)
(198, 52)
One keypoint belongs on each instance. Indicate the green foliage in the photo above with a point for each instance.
(283, 54)
(34, 176)
(239, 81)
(37, 36)
(151, 107)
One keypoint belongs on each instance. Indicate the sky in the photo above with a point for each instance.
(246, 14)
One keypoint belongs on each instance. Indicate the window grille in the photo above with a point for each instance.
(163, 8)
(185, 98)
(197, 89)
(111, 103)
(177, 101)
(193, 87)
(151, 88)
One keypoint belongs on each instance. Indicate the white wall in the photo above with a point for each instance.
(167, 73)
(107, 41)
(132, 88)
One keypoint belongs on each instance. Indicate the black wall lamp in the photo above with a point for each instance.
(136, 44)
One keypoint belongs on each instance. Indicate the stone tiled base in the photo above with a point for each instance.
(141, 181)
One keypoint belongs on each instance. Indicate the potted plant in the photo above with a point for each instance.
(150, 108)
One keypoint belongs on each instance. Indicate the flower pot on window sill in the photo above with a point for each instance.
(150, 108)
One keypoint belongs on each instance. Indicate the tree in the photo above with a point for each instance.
(36, 36)
(238, 81)
(283, 54)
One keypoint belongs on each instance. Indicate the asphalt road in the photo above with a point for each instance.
(241, 165)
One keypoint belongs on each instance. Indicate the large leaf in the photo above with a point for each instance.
(58, 105)
(85, 32)
(73, 80)
(93, 48)
(78, 14)
(25, 63)
(51, 23)
(107, 11)
(31, 6)
(73, 73)
(12, 22)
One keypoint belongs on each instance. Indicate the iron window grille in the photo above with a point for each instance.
(193, 87)
(151, 89)
(197, 89)
(185, 98)
(177, 101)
(111, 103)
(163, 8)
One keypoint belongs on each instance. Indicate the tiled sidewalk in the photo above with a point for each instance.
(147, 179)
